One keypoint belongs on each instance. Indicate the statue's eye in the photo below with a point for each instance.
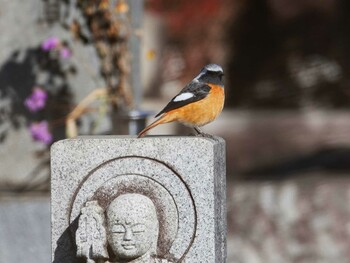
(138, 228)
(119, 229)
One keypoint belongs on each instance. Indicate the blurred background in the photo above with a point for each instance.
(66, 69)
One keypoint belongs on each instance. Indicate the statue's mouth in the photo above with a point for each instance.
(128, 246)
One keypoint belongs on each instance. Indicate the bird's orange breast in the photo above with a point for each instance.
(203, 111)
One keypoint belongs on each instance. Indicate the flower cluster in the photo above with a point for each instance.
(40, 132)
(35, 102)
(50, 43)
(54, 44)
(53, 50)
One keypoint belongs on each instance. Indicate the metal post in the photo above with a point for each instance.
(136, 17)
(133, 121)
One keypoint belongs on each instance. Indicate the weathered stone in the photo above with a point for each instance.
(182, 177)
(24, 229)
(91, 233)
(303, 220)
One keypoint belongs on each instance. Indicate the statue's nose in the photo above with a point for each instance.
(128, 234)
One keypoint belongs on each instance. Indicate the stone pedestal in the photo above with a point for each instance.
(162, 198)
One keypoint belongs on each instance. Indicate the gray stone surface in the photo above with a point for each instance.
(302, 221)
(133, 228)
(25, 230)
(183, 176)
(21, 31)
(91, 237)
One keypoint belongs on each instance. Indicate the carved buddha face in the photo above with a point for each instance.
(132, 226)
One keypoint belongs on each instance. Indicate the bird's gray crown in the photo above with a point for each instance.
(211, 73)
(213, 67)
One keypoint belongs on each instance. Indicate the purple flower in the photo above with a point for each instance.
(37, 100)
(50, 43)
(65, 53)
(40, 132)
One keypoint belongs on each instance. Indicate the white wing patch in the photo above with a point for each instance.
(183, 96)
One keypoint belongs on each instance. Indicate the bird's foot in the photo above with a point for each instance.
(200, 133)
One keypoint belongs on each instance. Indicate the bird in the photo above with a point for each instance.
(197, 104)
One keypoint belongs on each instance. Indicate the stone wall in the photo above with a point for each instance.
(298, 221)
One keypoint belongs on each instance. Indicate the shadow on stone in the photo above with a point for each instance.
(66, 248)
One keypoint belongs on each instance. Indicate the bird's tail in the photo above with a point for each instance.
(164, 119)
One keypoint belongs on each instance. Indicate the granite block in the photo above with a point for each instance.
(184, 177)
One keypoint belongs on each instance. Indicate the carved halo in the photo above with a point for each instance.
(137, 175)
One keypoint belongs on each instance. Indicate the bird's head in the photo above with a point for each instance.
(211, 73)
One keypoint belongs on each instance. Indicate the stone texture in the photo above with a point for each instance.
(302, 221)
(25, 229)
(91, 237)
(132, 227)
(183, 176)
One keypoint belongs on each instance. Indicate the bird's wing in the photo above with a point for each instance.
(192, 92)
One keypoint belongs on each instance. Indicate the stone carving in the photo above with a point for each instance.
(153, 200)
(172, 203)
(131, 228)
(91, 235)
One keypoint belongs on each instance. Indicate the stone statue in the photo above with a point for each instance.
(91, 235)
(131, 228)
(119, 199)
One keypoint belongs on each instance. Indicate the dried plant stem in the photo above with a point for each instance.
(80, 109)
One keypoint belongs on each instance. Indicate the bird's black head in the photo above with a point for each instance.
(211, 73)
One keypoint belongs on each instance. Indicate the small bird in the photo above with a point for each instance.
(197, 104)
